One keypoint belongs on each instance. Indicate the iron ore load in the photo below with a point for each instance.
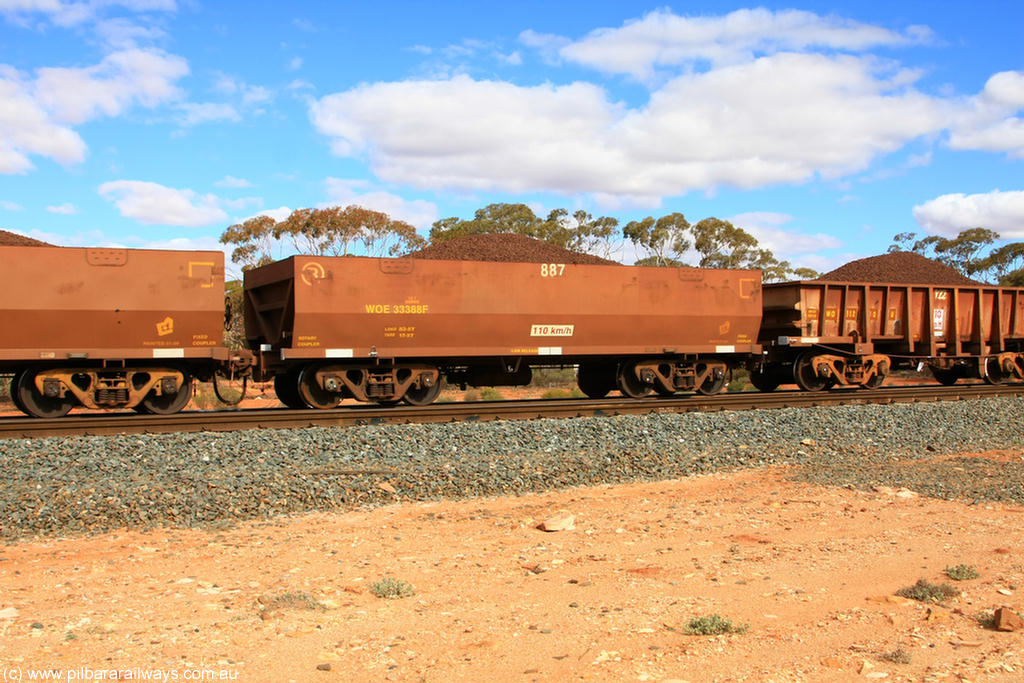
(124, 328)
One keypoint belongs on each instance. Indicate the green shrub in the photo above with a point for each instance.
(924, 591)
(391, 588)
(490, 394)
(562, 393)
(962, 572)
(897, 656)
(713, 625)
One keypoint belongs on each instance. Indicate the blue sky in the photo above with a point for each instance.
(822, 128)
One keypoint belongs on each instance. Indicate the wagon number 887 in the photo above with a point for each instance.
(552, 269)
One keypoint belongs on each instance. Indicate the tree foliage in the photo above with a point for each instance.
(331, 231)
(579, 231)
(667, 241)
(966, 253)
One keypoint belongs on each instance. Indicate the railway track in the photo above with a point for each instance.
(263, 418)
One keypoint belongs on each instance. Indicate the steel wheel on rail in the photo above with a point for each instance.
(714, 383)
(35, 404)
(168, 404)
(993, 371)
(286, 386)
(595, 380)
(945, 376)
(423, 395)
(805, 376)
(629, 383)
(877, 379)
(312, 394)
(764, 380)
(14, 393)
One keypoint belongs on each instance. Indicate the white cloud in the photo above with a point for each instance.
(418, 212)
(664, 39)
(784, 242)
(232, 181)
(194, 114)
(65, 209)
(27, 129)
(156, 204)
(63, 13)
(10, 206)
(278, 214)
(123, 78)
(993, 121)
(778, 119)
(950, 214)
(295, 63)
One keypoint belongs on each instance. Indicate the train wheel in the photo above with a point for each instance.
(595, 381)
(714, 383)
(312, 394)
(14, 392)
(994, 373)
(804, 375)
(168, 404)
(36, 404)
(286, 386)
(629, 384)
(422, 396)
(764, 380)
(945, 376)
(877, 379)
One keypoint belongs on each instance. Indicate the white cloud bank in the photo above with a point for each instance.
(950, 214)
(37, 114)
(664, 39)
(749, 99)
(418, 213)
(155, 204)
(779, 119)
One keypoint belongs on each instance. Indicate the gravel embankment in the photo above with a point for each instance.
(67, 486)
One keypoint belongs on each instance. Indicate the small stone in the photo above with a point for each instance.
(562, 520)
(37, 624)
(8, 613)
(807, 442)
(937, 614)
(323, 667)
(384, 486)
(1007, 620)
(1005, 591)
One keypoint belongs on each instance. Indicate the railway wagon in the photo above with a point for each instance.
(820, 334)
(385, 330)
(109, 328)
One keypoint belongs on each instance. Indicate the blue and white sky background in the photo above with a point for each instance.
(823, 128)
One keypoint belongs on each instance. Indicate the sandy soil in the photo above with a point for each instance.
(811, 571)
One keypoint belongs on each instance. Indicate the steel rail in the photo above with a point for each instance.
(95, 424)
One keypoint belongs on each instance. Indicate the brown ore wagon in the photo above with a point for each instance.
(109, 328)
(389, 329)
(820, 334)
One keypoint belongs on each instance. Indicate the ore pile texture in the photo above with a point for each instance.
(505, 247)
(900, 267)
(80, 485)
(10, 239)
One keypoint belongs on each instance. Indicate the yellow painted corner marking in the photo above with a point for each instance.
(193, 265)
